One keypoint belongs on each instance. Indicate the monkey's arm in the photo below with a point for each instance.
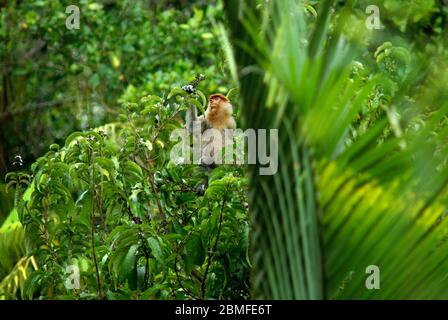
(192, 120)
(191, 116)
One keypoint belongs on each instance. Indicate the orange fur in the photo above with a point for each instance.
(219, 112)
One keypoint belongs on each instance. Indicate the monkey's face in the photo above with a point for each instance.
(214, 104)
(217, 105)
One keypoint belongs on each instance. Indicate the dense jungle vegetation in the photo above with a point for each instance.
(89, 189)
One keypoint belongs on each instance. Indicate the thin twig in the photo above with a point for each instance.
(180, 282)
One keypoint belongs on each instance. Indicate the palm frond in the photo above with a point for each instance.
(12, 245)
(332, 210)
(15, 281)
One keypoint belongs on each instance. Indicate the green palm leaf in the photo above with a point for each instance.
(332, 210)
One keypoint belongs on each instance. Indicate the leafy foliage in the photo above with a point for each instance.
(112, 203)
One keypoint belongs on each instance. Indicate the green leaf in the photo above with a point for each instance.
(195, 252)
(72, 137)
(176, 91)
(156, 250)
(129, 267)
(196, 103)
(54, 147)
